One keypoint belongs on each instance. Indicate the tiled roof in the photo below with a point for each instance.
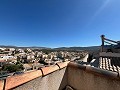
(14, 81)
(110, 63)
(17, 80)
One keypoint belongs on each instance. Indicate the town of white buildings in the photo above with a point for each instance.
(31, 59)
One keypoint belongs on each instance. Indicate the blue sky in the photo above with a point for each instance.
(58, 23)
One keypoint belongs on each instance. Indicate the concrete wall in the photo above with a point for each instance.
(1, 84)
(54, 81)
(85, 58)
(80, 79)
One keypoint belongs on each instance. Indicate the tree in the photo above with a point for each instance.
(25, 50)
(16, 51)
(12, 67)
(18, 58)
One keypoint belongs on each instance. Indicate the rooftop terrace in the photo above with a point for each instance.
(64, 76)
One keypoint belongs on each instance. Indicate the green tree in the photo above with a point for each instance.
(12, 67)
(25, 50)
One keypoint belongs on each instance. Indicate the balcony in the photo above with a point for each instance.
(63, 76)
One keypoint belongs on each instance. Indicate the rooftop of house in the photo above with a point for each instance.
(65, 76)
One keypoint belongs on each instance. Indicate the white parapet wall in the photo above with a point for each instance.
(109, 54)
(85, 58)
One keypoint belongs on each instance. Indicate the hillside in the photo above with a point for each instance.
(91, 48)
(80, 48)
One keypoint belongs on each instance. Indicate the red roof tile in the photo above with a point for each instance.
(47, 70)
(62, 65)
(14, 81)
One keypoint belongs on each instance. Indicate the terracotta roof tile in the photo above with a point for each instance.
(14, 81)
(110, 63)
(47, 70)
(62, 65)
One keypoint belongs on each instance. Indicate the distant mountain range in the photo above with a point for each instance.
(80, 48)
(60, 48)
(32, 47)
